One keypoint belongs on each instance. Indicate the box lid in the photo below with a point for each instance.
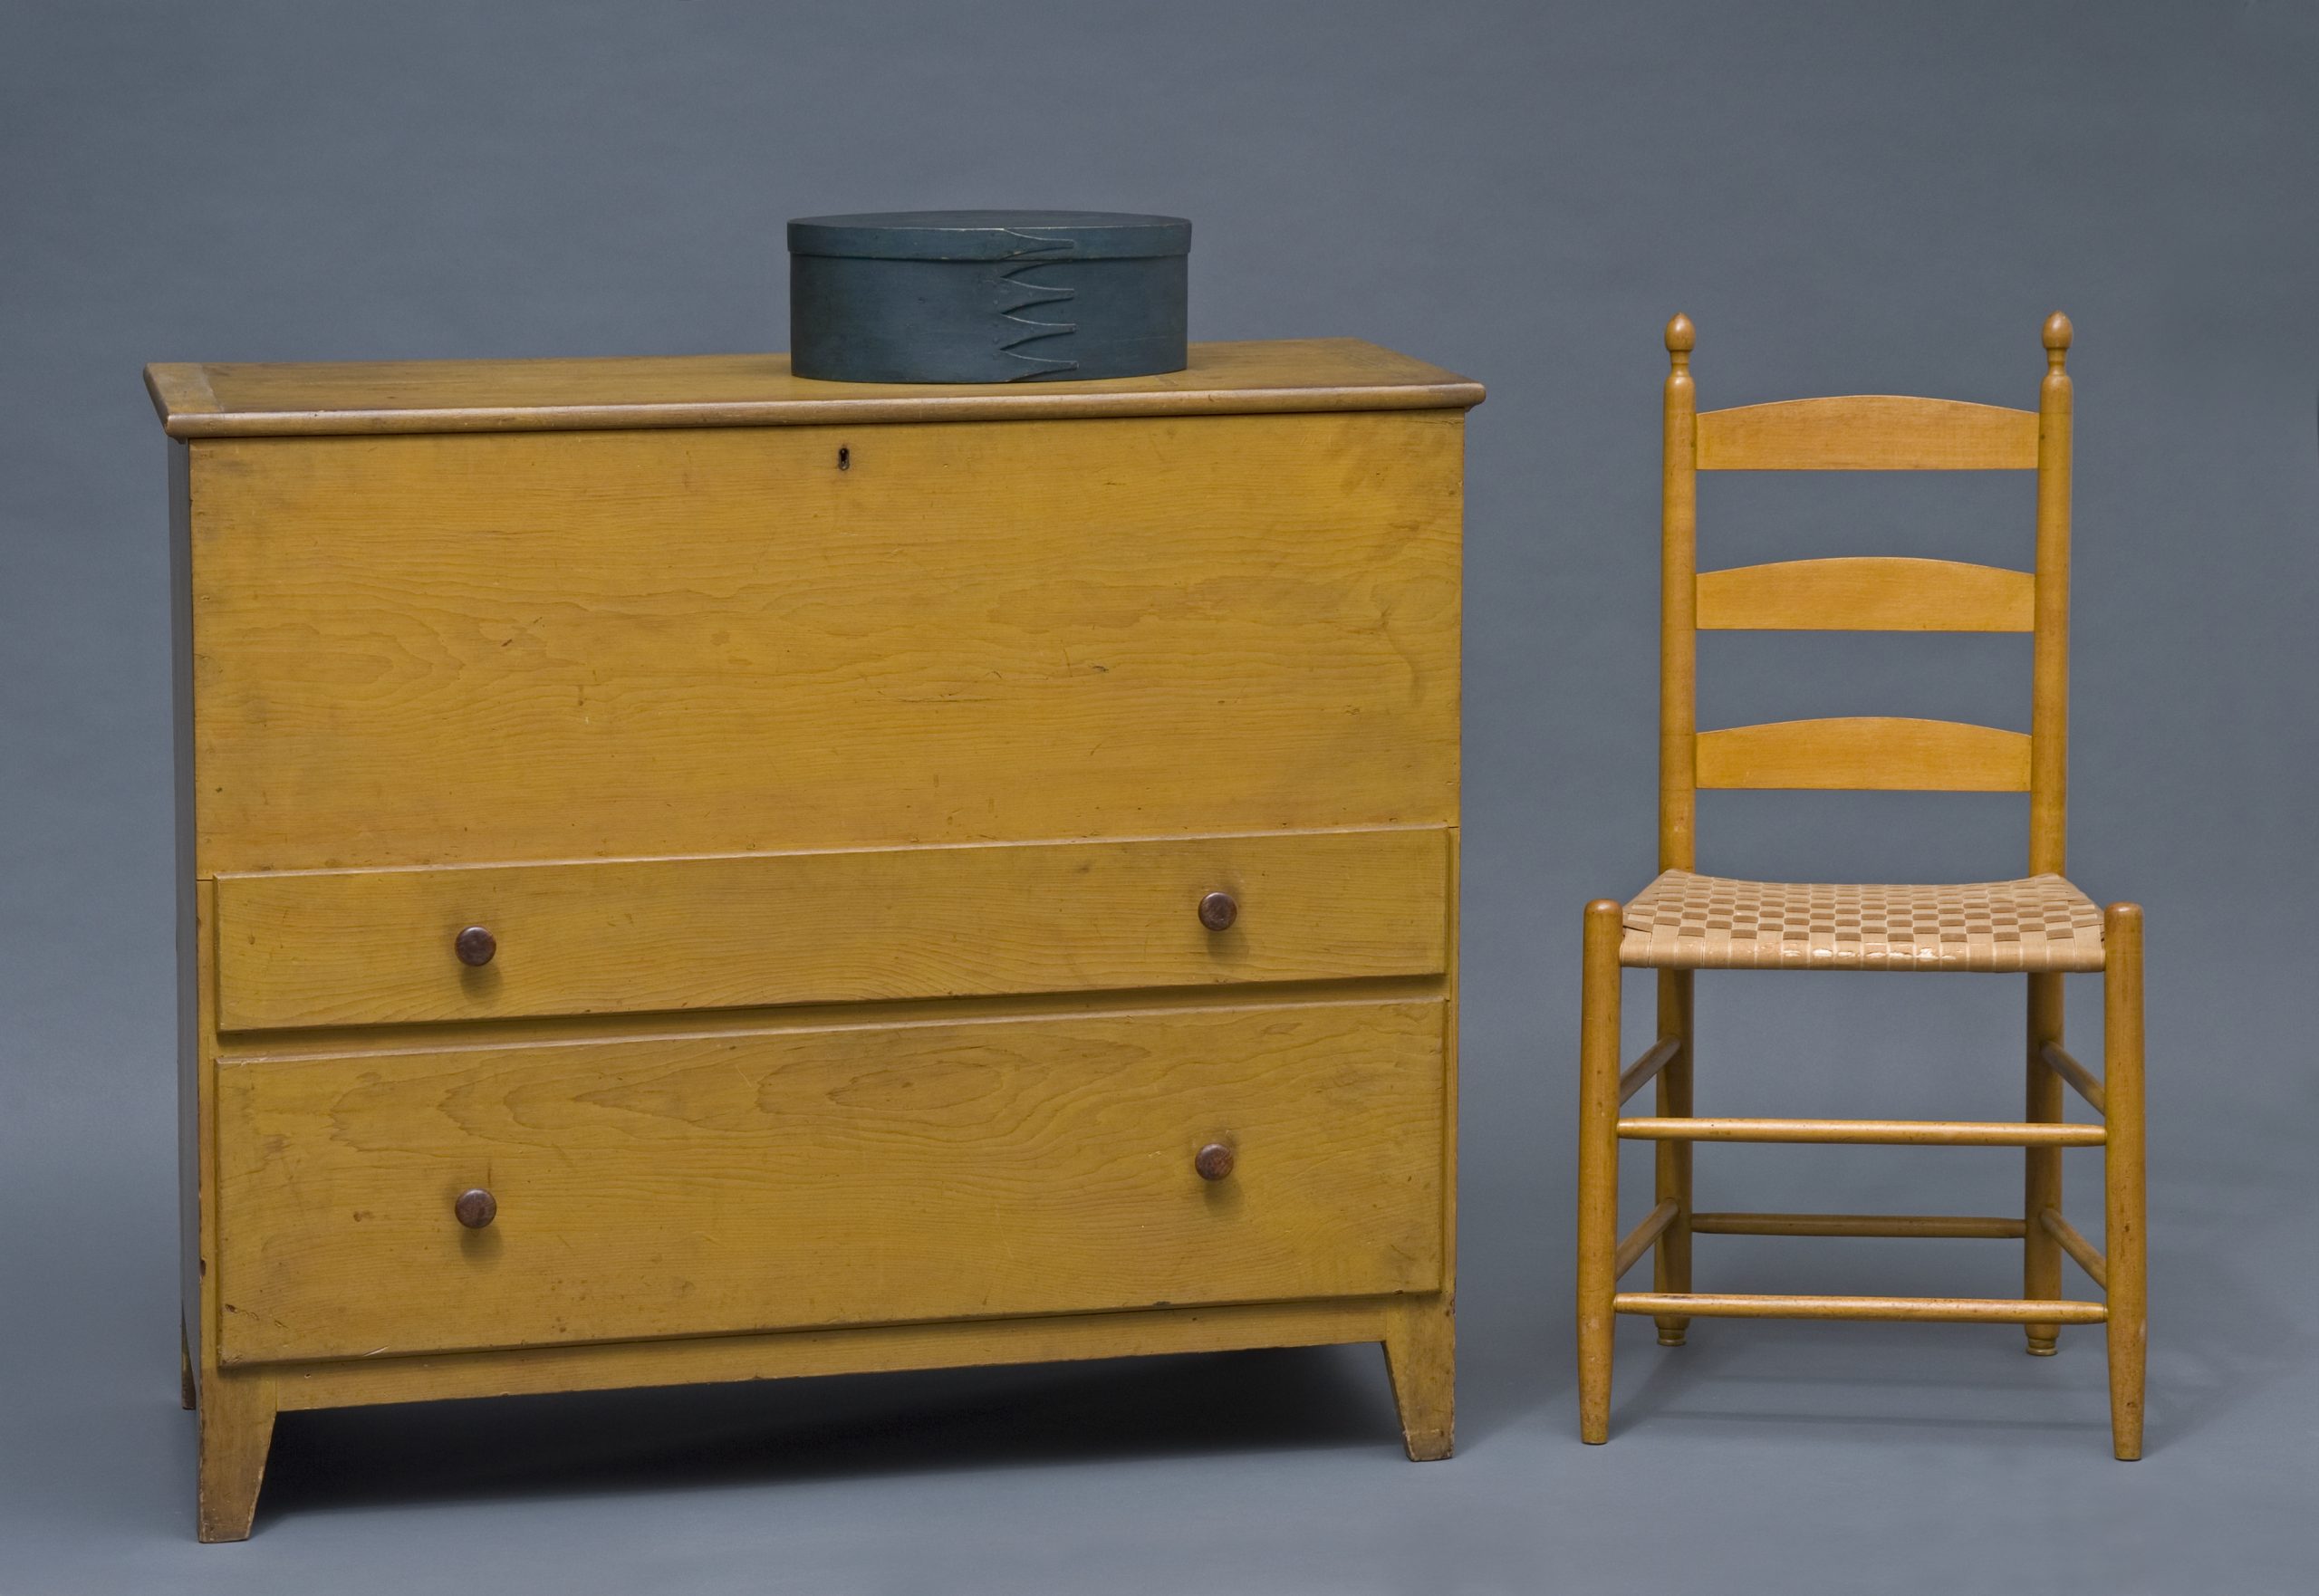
(991, 235)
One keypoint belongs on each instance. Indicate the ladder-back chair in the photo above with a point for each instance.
(2040, 926)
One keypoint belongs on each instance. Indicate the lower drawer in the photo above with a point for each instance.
(854, 1175)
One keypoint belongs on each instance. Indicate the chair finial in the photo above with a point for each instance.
(2057, 337)
(1680, 335)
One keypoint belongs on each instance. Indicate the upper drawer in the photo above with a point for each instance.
(378, 946)
(434, 650)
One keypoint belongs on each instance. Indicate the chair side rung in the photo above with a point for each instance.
(1639, 1239)
(2073, 1243)
(1878, 1132)
(1936, 1224)
(1958, 1310)
(1638, 1073)
(2087, 1084)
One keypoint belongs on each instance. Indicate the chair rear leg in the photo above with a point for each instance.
(1598, 1165)
(2124, 1242)
(1672, 1264)
(2041, 1255)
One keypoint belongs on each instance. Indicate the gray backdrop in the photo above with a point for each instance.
(1843, 197)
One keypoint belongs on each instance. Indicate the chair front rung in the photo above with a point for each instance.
(1961, 1310)
(1916, 1132)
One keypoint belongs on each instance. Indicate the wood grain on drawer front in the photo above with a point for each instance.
(375, 946)
(872, 1174)
(473, 648)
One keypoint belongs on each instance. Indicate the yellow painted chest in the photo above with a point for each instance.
(693, 874)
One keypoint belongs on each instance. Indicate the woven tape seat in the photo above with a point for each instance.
(1690, 922)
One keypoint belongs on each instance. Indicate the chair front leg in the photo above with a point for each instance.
(1598, 1165)
(2124, 1244)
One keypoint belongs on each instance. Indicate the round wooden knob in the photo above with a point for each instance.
(1213, 1162)
(476, 946)
(1217, 910)
(476, 1209)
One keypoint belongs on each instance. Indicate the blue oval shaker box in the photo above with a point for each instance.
(987, 296)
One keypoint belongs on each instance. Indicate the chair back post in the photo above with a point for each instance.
(1679, 608)
(2049, 690)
